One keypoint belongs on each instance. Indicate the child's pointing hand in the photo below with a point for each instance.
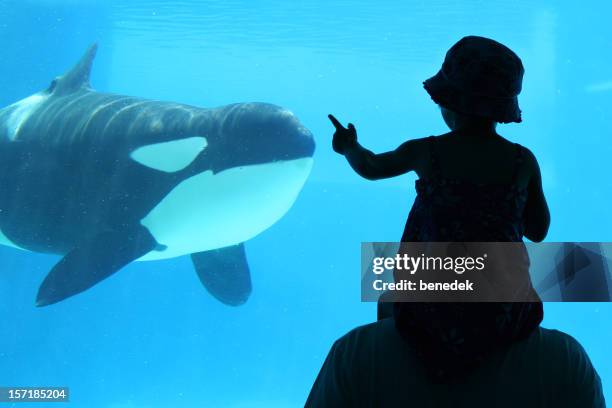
(343, 137)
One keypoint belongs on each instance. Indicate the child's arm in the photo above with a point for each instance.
(536, 218)
(368, 164)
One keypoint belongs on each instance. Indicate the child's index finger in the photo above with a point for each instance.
(335, 122)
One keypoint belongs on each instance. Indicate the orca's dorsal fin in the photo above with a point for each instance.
(76, 78)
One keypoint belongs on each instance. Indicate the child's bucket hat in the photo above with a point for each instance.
(479, 77)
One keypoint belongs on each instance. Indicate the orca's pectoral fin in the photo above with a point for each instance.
(224, 272)
(93, 261)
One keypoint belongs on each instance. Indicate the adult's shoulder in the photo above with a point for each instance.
(363, 336)
(379, 337)
(564, 358)
(554, 345)
(371, 330)
(556, 338)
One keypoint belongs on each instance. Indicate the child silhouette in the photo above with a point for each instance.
(473, 185)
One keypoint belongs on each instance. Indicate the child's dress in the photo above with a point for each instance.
(452, 338)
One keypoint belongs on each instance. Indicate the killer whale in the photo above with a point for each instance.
(104, 179)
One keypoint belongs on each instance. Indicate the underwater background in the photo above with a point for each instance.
(151, 336)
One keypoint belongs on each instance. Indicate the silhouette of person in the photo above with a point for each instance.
(473, 186)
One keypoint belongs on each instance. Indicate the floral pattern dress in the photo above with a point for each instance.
(453, 338)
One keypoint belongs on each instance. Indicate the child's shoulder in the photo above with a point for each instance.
(527, 157)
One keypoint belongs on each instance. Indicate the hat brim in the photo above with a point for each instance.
(502, 110)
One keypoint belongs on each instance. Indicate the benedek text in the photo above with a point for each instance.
(406, 285)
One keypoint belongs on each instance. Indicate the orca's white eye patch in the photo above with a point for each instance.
(170, 156)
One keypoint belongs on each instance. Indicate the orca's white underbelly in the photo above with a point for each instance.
(209, 211)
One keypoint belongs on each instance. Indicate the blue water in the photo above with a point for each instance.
(150, 336)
